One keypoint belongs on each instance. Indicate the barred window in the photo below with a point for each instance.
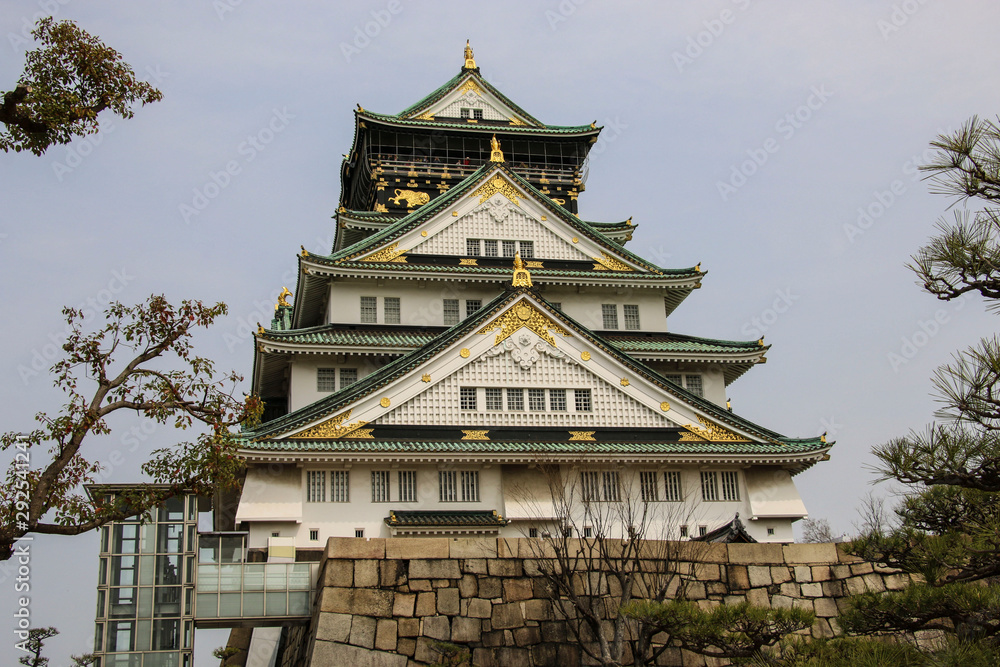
(472, 247)
(490, 248)
(557, 400)
(709, 485)
(600, 485)
(590, 488)
(450, 311)
(467, 398)
(610, 487)
(316, 486)
(515, 399)
(672, 483)
(730, 485)
(509, 248)
(676, 379)
(326, 379)
(348, 376)
(609, 312)
(369, 310)
(470, 486)
(447, 486)
(693, 384)
(582, 400)
(407, 486)
(684, 531)
(702, 531)
(390, 308)
(471, 306)
(340, 484)
(631, 316)
(494, 398)
(536, 399)
(477, 114)
(648, 486)
(380, 486)
(527, 249)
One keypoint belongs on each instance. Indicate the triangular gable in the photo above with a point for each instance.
(468, 90)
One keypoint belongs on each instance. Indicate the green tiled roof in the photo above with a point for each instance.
(517, 129)
(671, 342)
(506, 271)
(416, 518)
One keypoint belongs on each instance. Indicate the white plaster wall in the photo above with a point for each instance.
(302, 388)
(421, 302)
(585, 306)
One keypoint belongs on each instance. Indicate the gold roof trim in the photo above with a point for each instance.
(333, 428)
(524, 315)
(497, 184)
(710, 432)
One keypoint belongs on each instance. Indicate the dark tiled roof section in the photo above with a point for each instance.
(417, 518)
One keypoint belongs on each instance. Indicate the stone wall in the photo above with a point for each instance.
(384, 601)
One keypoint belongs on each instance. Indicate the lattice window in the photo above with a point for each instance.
(471, 306)
(380, 486)
(509, 248)
(631, 312)
(326, 379)
(390, 308)
(693, 384)
(648, 486)
(709, 485)
(610, 487)
(515, 400)
(600, 485)
(557, 400)
(582, 400)
(316, 486)
(470, 486)
(450, 311)
(340, 486)
(672, 484)
(590, 488)
(369, 310)
(348, 376)
(536, 400)
(477, 114)
(447, 486)
(527, 249)
(467, 396)
(730, 485)
(676, 379)
(609, 312)
(490, 248)
(472, 247)
(407, 486)
(494, 398)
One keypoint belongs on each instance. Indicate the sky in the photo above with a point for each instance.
(776, 143)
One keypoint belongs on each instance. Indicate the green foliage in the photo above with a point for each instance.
(726, 631)
(452, 655)
(225, 652)
(970, 610)
(35, 643)
(65, 85)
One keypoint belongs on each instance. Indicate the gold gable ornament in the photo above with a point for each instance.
(496, 155)
(497, 184)
(334, 428)
(524, 315)
(521, 276)
(710, 432)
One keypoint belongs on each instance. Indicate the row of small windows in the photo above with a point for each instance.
(451, 309)
(494, 399)
(499, 248)
(476, 114)
(326, 378)
(692, 383)
(390, 309)
(609, 315)
(605, 485)
(454, 486)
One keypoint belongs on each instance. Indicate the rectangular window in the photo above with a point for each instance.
(702, 531)
(472, 247)
(709, 485)
(631, 316)
(684, 531)
(490, 248)
(557, 400)
(470, 486)
(313, 535)
(369, 310)
(536, 399)
(770, 531)
(515, 400)
(527, 249)
(407, 486)
(466, 113)
(477, 114)
(450, 311)
(340, 486)
(390, 309)
(509, 248)
(532, 532)
(380, 486)
(316, 486)
(326, 379)
(348, 376)
(693, 384)
(471, 306)
(609, 312)
(648, 486)
(600, 485)
(582, 400)
(588, 531)
(590, 489)
(359, 532)
(447, 486)
(467, 398)
(609, 486)
(494, 398)
(730, 485)
(676, 379)
(672, 484)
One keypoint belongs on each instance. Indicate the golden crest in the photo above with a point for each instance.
(524, 315)
(608, 263)
(581, 436)
(710, 432)
(625, 382)
(470, 86)
(475, 435)
(425, 378)
(497, 184)
(585, 355)
(664, 406)
(385, 402)
(333, 428)
(464, 353)
(390, 253)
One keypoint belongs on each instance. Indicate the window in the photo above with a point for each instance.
(447, 486)
(477, 114)
(467, 398)
(348, 376)
(509, 248)
(471, 306)
(648, 487)
(390, 310)
(450, 311)
(340, 486)
(709, 485)
(326, 379)
(609, 311)
(581, 398)
(380, 486)
(359, 532)
(369, 310)
(313, 535)
(672, 484)
(684, 531)
(702, 531)
(472, 247)
(609, 483)
(407, 486)
(466, 113)
(527, 249)
(532, 532)
(490, 248)
(588, 531)
(316, 486)
(676, 379)
(557, 400)
(536, 399)
(515, 399)
(494, 398)
(631, 316)
(599, 485)
(693, 384)
(276, 534)
(770, 531)
(470, 486)
(730, 485)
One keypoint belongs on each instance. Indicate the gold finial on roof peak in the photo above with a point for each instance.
(470, 60)
(521, 276)
(281, 297)
(496, 155)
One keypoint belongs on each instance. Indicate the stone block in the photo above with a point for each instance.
(426, 604)
(441, 583)
(338, 573)
(504, 567)
(803, 573)
(465, 630)
(545, 654)
(424, 653)
(875, 583)
(353, 548)
(825, 607)
(363, 631)
(715, 588)
(492, 638)
(790, 589)
(408, 548)
(473, 547)
(434, 569)
(507, 616)
(845, 557)
(780, 574)
(694, 590)
(855, 585)
(372, 602)
(760, 575)
(812, 590)
(707, 572)
(821, 628)
(527, 636)
(333, 627)
(337, 600)
(406, 646)
(328, 653)
(392, 573)
(385, 635)
(896, 582)
(737, 577)
(702, 552)
(490, 587)
(513, 657)
(781, 602)
(366, 573)
(420, 585)
(517, 589)
(568, 655)
(810, 553)
(403, 604)
(468, 586)
(474, 565)
(734, 599)
(408, 627)
(759, 597)
(436, 627)
(805, 605)
(538, 610)
(447, 601)
(756, 554)
(840, 571)
(484, 657)
(861, 568)
(555, 631)
(821, 573)
(480, 608)
(833, 589)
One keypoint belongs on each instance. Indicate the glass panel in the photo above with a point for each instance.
(172, 509)
(232, 549)
(208, 550)
(142, 635)
(276, 604)
(298, 576)
(147, 539)
(274, 574)
(298, 603)
(253, 577)
(126, 538)
(147, 570)
(101, 598)
(253, 604)
(230, 577)
(123, 570)
(145, 602)
(208, 578)
(166, 634)
(168, 601)
(229, 604)
(120, 636)
(170, 538)
(168, 570)
(208, 605)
